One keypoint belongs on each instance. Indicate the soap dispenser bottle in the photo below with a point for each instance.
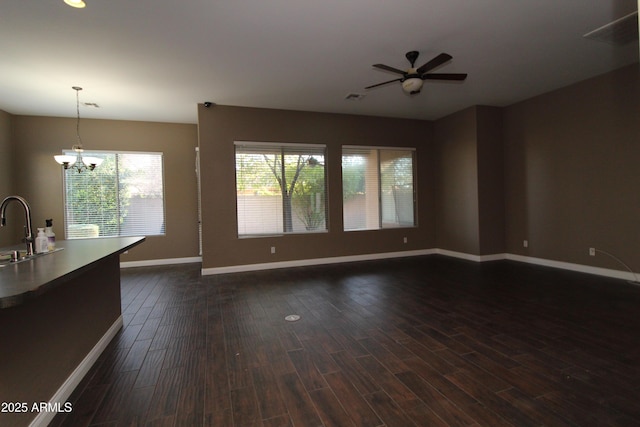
(51, 236)
(42, 243)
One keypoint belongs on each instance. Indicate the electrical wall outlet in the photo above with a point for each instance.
(525, 243)
(405, 240)
(273, 249)
(592, 251)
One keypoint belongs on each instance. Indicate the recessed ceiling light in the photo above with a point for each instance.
(75, 3)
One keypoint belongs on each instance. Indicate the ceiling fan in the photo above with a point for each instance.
(412, 79)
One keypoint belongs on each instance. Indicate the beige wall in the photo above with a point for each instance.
(220, 126)
(572, 176)
(39, 178)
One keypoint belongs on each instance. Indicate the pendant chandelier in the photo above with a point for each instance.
(77, 162)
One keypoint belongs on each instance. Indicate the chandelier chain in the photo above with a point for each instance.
(78, 89)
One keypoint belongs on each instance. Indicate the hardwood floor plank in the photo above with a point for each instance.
(533, 408)
(524, 379)
(395, 348)
(115, 399)
(281, 421)
(306, 369)
(389, 383)
(150, 370)
(384, 356)
(432, 341)
(268, 394)
(491, 400)
(297, 401)
(323, 362)
(331, 412)
(245, 407)
(355, 373)
(348, 342)
(359, 410)
(388, 410)
(438, 403)
(167, 393)
(423, 416)
(135, 356)
(84, 408)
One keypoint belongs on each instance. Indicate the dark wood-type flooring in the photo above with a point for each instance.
(426, 341)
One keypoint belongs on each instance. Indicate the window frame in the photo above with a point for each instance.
(283, 147)
(379, 197)
(93, 153)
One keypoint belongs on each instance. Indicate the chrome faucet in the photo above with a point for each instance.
(28, 232)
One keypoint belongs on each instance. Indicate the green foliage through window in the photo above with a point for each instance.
(280, 188)
(124, 196)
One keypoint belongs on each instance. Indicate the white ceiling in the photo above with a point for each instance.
(154, 60)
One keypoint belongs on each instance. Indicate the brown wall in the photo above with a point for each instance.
(39, 177)
(13, 230)
(572, 175)
(491, 210)
(220, 126)
(457, 223)
(560, 170)
(469, 181)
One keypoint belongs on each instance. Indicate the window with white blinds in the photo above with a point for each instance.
(378, 187)
(123, 196)
(280, 188)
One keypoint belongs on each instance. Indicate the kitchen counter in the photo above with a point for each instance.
(31, 278)
(59, 312)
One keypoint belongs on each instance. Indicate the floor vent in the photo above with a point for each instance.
(618, 33)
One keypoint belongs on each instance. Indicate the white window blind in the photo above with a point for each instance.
(377, 188)
(280, 188)
(124, 196)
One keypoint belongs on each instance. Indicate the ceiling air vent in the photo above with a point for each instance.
(618, 32)
(354, 97)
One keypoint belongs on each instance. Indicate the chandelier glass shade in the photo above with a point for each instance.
(77, 162)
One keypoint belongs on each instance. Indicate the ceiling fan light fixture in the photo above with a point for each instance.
(412, 79)
(76, 3)
(412, 85)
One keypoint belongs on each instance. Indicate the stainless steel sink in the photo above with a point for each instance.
(10, 257)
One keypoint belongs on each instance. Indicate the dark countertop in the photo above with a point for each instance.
(31, 278)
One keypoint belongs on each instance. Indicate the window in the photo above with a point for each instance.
(124, 196)
(280, 188)
(378, 187)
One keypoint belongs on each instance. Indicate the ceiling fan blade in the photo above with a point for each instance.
(387, 68)
(443, 76)
(383, 83)
(435, 62)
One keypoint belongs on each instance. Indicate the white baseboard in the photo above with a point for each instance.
(470, 257)
(315, 261)
(616, 274)
(156, 262)
(581, 268)
(60, 397)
